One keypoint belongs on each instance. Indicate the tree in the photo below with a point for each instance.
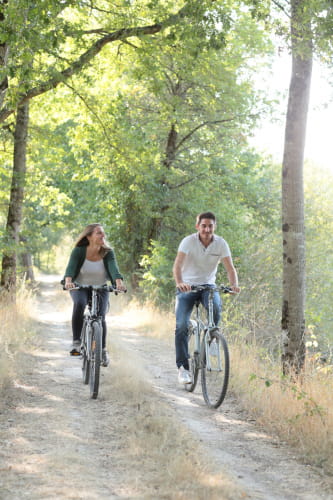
(14, 218)
(38, 54)
(293, 321)
(308, 26)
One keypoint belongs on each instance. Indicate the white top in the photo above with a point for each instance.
(200, 263)
(92, 273)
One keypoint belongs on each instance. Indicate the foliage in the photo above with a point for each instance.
(153, 131)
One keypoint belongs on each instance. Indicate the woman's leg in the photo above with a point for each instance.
(80, 300)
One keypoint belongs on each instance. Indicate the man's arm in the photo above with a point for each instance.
(177, 272)
(232, 273)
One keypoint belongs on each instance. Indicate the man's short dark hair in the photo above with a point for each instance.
(206, 215)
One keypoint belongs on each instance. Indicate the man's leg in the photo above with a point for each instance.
(184, 305)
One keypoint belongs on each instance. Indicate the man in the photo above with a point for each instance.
(196, 264)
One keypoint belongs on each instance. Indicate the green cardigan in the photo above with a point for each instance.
(77, 259)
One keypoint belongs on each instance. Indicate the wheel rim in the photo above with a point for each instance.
(215, 371)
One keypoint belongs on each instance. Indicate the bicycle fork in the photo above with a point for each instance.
(87, 340)
(212, 350)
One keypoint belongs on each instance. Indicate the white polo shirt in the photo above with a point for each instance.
(200, 263)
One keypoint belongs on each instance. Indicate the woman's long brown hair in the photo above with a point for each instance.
(83, 241)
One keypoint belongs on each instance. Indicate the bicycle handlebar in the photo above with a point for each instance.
(219, 288)
(108, 288)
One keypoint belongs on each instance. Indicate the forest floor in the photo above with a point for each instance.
(144, 437)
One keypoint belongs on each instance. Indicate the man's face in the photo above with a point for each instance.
(206, 228)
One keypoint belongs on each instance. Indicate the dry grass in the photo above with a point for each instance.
(16, 328)
(149, 320)
(300, 413)
(167, 461)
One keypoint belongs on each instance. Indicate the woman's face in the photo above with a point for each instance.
(97, 237)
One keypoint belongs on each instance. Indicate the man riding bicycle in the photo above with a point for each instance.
(196, 264)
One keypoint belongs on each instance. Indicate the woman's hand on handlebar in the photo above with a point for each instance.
(69, 284)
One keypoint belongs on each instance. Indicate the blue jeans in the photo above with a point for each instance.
(184, 305)
(80, 300)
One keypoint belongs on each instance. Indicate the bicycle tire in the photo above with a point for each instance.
(193, 359)
(96, 357)
(214, 382)
(85, 360)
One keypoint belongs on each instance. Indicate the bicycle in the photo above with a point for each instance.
(208, 351)
(91, 338)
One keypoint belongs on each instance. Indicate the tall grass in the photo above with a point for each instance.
(298, 412)
(16, 328)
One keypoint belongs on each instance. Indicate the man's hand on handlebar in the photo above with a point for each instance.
(183, 287)
(120, 286)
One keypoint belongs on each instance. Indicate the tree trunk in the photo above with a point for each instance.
(8, 275)
(3, 58)
(293, 320)
(26, 262)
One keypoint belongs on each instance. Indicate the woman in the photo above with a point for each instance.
(92, 262)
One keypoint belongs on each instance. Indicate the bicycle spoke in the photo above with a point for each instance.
(215, 369)
(85, 360)
(193, 360)
(96, 356)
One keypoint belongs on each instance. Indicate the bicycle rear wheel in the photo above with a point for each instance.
(96, 357)
(85, 360)
(215, 369)
(194, 356)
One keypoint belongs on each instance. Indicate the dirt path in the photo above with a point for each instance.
(57, 443)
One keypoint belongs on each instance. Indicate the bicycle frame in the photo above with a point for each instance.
(90, 316)
(208, 350)
(91, 337)
(207, 328)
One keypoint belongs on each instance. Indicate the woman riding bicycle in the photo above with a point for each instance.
(92, 262)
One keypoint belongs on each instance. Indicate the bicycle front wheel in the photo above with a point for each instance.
(215, 369)
(194, 356)
(95, 358)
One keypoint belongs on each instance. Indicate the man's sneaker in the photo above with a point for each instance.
(184, 376)
(105, 357)
(76, 348)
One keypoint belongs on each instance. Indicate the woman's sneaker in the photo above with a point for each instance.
(105, 357)
(76, 348)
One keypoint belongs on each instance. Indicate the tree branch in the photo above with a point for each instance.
(87, 56)
(187, 136)
(81, 62)
(192, 179)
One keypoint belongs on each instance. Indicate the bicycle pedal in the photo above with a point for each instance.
(75, 354)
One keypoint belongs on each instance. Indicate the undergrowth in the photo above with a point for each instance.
(16, 329)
